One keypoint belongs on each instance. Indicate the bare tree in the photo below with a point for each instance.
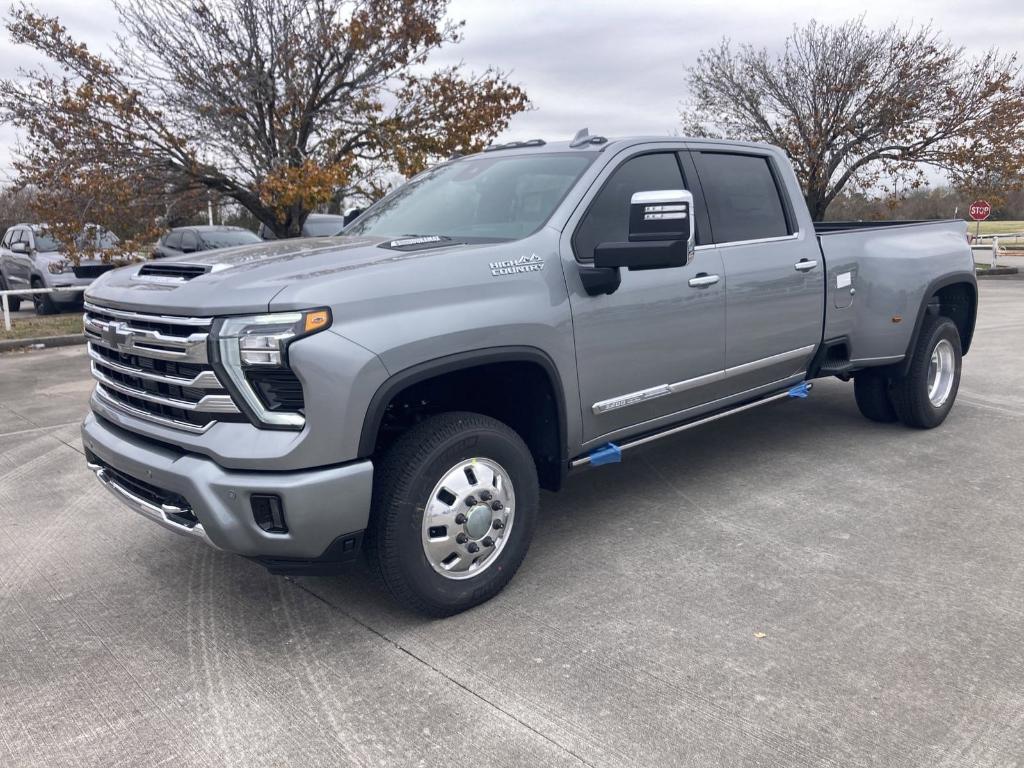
(853, 106)
(277, 104)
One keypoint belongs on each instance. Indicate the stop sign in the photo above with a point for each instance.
(980, 210)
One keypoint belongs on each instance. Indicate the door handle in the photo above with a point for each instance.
(703, 280)
(804, 265)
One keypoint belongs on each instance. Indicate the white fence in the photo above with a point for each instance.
(29, 292)
(978, 243)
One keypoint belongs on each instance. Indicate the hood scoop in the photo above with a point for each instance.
(164, 272)
(416, 242)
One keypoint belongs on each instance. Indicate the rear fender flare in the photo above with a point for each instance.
(901, 368)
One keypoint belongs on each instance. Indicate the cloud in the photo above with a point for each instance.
(617, 68)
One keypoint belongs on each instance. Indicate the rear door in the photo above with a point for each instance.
(655, 347)
(774, 301)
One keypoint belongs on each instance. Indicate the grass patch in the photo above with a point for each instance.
(33, 326)
(996, 227)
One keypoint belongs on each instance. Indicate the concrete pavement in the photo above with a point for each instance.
(793, 586)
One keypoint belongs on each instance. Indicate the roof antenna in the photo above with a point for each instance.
(583, 138)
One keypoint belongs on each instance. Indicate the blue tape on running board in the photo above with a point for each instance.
(609, 453)
(800, 390)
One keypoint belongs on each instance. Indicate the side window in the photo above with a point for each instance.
(173, 241)
(743, 199)
(607, 219)
(189, 241)
(6, 242)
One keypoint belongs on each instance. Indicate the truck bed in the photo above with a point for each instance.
(873, 288)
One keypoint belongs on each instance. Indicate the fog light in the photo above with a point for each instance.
(268, 513)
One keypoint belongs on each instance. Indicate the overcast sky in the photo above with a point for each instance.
(618, 67)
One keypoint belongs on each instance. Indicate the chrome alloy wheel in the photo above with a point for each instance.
(467, 518)
(941, 372)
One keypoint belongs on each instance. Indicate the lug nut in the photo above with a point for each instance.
(471, 501)
(472, 547)
(488, 541)
(498, 525)
(485, 495)
(497, 506)
(460, 519)
(462, 538)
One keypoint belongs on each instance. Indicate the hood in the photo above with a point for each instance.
(246, 279)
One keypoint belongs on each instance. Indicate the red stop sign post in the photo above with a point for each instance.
(979, 211)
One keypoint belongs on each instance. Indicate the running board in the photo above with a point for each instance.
(610, 453)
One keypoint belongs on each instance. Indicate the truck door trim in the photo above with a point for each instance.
(764, 362)
(663, 390)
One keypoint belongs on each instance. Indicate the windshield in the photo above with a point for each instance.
(490, 198)
(46, 242)
(97, 237)
(228, 238)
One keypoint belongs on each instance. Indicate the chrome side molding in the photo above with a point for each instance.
(662, 390)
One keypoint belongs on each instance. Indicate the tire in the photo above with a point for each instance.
(43, 302)
(872, 392)
(13, 302)
(408, 484)
(911, 394)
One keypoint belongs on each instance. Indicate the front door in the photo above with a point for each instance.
(19, 269)
(656, 346)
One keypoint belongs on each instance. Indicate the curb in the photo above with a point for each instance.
(46, 341)
(996, 271)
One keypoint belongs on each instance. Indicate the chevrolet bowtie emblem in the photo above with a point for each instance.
(117, 334)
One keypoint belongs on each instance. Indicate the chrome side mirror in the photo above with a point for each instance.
(665, 214)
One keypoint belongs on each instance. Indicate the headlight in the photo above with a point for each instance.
(59, 267)
(252, 353)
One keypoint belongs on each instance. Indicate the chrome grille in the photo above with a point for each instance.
(155, 367)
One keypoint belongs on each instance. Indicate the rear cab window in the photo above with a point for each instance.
(743, 196)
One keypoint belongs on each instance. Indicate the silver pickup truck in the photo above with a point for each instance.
(503, 319)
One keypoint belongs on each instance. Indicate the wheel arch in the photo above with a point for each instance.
(954, 296)
(552, 460)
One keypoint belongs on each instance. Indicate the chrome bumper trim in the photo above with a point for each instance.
(145, 508)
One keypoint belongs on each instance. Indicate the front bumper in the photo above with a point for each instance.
(67, 298)
(326, 509)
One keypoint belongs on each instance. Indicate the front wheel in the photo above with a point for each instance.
(43, 301)
(924, 397)
(455, 504)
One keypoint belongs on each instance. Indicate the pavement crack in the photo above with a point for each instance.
(399, 647)
(47, 428)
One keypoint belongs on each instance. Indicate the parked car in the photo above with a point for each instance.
(500, 321)
(182, 240)
(32, 257)
(316, 225)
